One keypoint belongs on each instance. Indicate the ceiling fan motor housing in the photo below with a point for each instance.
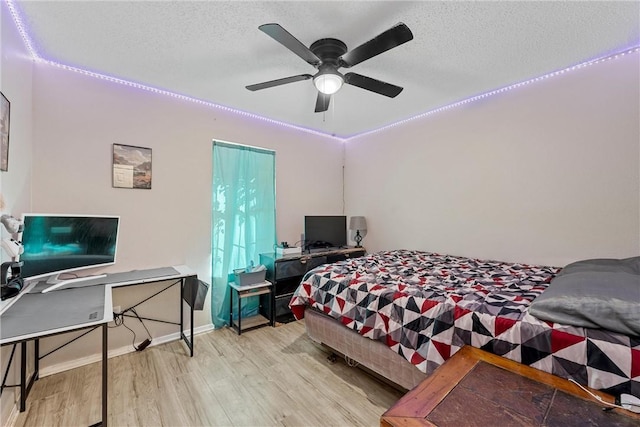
(329, 50)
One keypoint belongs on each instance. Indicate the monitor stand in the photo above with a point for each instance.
(56, 282)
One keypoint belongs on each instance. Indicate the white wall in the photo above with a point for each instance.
(548, 173)
(78, 118)
(15, 184)
(16, 78)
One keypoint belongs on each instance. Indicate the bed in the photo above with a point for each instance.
(403, 313)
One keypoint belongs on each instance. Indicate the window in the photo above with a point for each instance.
(243, 219)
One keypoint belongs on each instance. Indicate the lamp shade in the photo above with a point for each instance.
(328, 82)
(358, 223)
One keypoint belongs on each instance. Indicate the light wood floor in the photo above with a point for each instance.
(265, 377)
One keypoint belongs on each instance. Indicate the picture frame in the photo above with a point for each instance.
(5, 115)
(131, 167)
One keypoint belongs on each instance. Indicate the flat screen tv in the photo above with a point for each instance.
(55, 244)
(325, 231)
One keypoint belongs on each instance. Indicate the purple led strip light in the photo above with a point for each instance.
(28, 43)
(21, 29)
(183, 97)
(34, 54)
(501, 90)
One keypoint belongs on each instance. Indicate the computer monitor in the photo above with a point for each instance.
(55, 244)
(325, 231)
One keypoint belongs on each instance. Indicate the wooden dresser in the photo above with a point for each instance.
(476, 388)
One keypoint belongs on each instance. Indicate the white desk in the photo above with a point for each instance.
(86, 305)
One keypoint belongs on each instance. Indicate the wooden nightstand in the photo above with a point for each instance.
(478, 388)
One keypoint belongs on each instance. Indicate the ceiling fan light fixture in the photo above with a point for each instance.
(328, 82)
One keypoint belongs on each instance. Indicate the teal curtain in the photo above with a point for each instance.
(244, 219)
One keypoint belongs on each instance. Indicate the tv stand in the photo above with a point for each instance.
(55, 282)
(286, 272)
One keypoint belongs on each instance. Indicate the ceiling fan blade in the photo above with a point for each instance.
(285, 38)
(322, 103)
(391, 38)
(278, 82)
(374, 85)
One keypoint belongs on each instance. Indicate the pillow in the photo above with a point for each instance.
(597, 293)
(629, 265)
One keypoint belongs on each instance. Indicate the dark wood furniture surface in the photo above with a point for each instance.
(476, 388)
(286, 272)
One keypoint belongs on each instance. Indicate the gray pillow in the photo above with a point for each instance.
(599, 293)
(628, 265)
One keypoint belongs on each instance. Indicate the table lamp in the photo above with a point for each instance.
(358, 223)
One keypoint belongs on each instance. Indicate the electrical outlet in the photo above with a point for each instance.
(117, 309)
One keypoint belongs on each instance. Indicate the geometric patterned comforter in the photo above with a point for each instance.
(426, 306)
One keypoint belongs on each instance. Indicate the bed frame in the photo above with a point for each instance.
(491, 313)
(373, 355)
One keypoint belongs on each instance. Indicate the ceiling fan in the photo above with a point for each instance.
(327, 55)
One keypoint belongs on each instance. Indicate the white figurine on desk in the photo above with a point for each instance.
(10, 245)
(11, 282)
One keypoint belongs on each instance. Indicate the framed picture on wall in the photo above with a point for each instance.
(131, 166)
(5, 110)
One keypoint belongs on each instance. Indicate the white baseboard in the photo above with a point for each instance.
(76, 363)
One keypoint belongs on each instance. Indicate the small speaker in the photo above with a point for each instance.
(195, 292)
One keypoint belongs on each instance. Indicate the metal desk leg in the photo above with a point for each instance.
(105, 378)
(104, 374)
(182, 283)
(191, 308)
(188, 341)
(25, 385)
(36, 358)
(36, 367)
(23, 376)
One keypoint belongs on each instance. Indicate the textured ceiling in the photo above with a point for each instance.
(211, 50)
